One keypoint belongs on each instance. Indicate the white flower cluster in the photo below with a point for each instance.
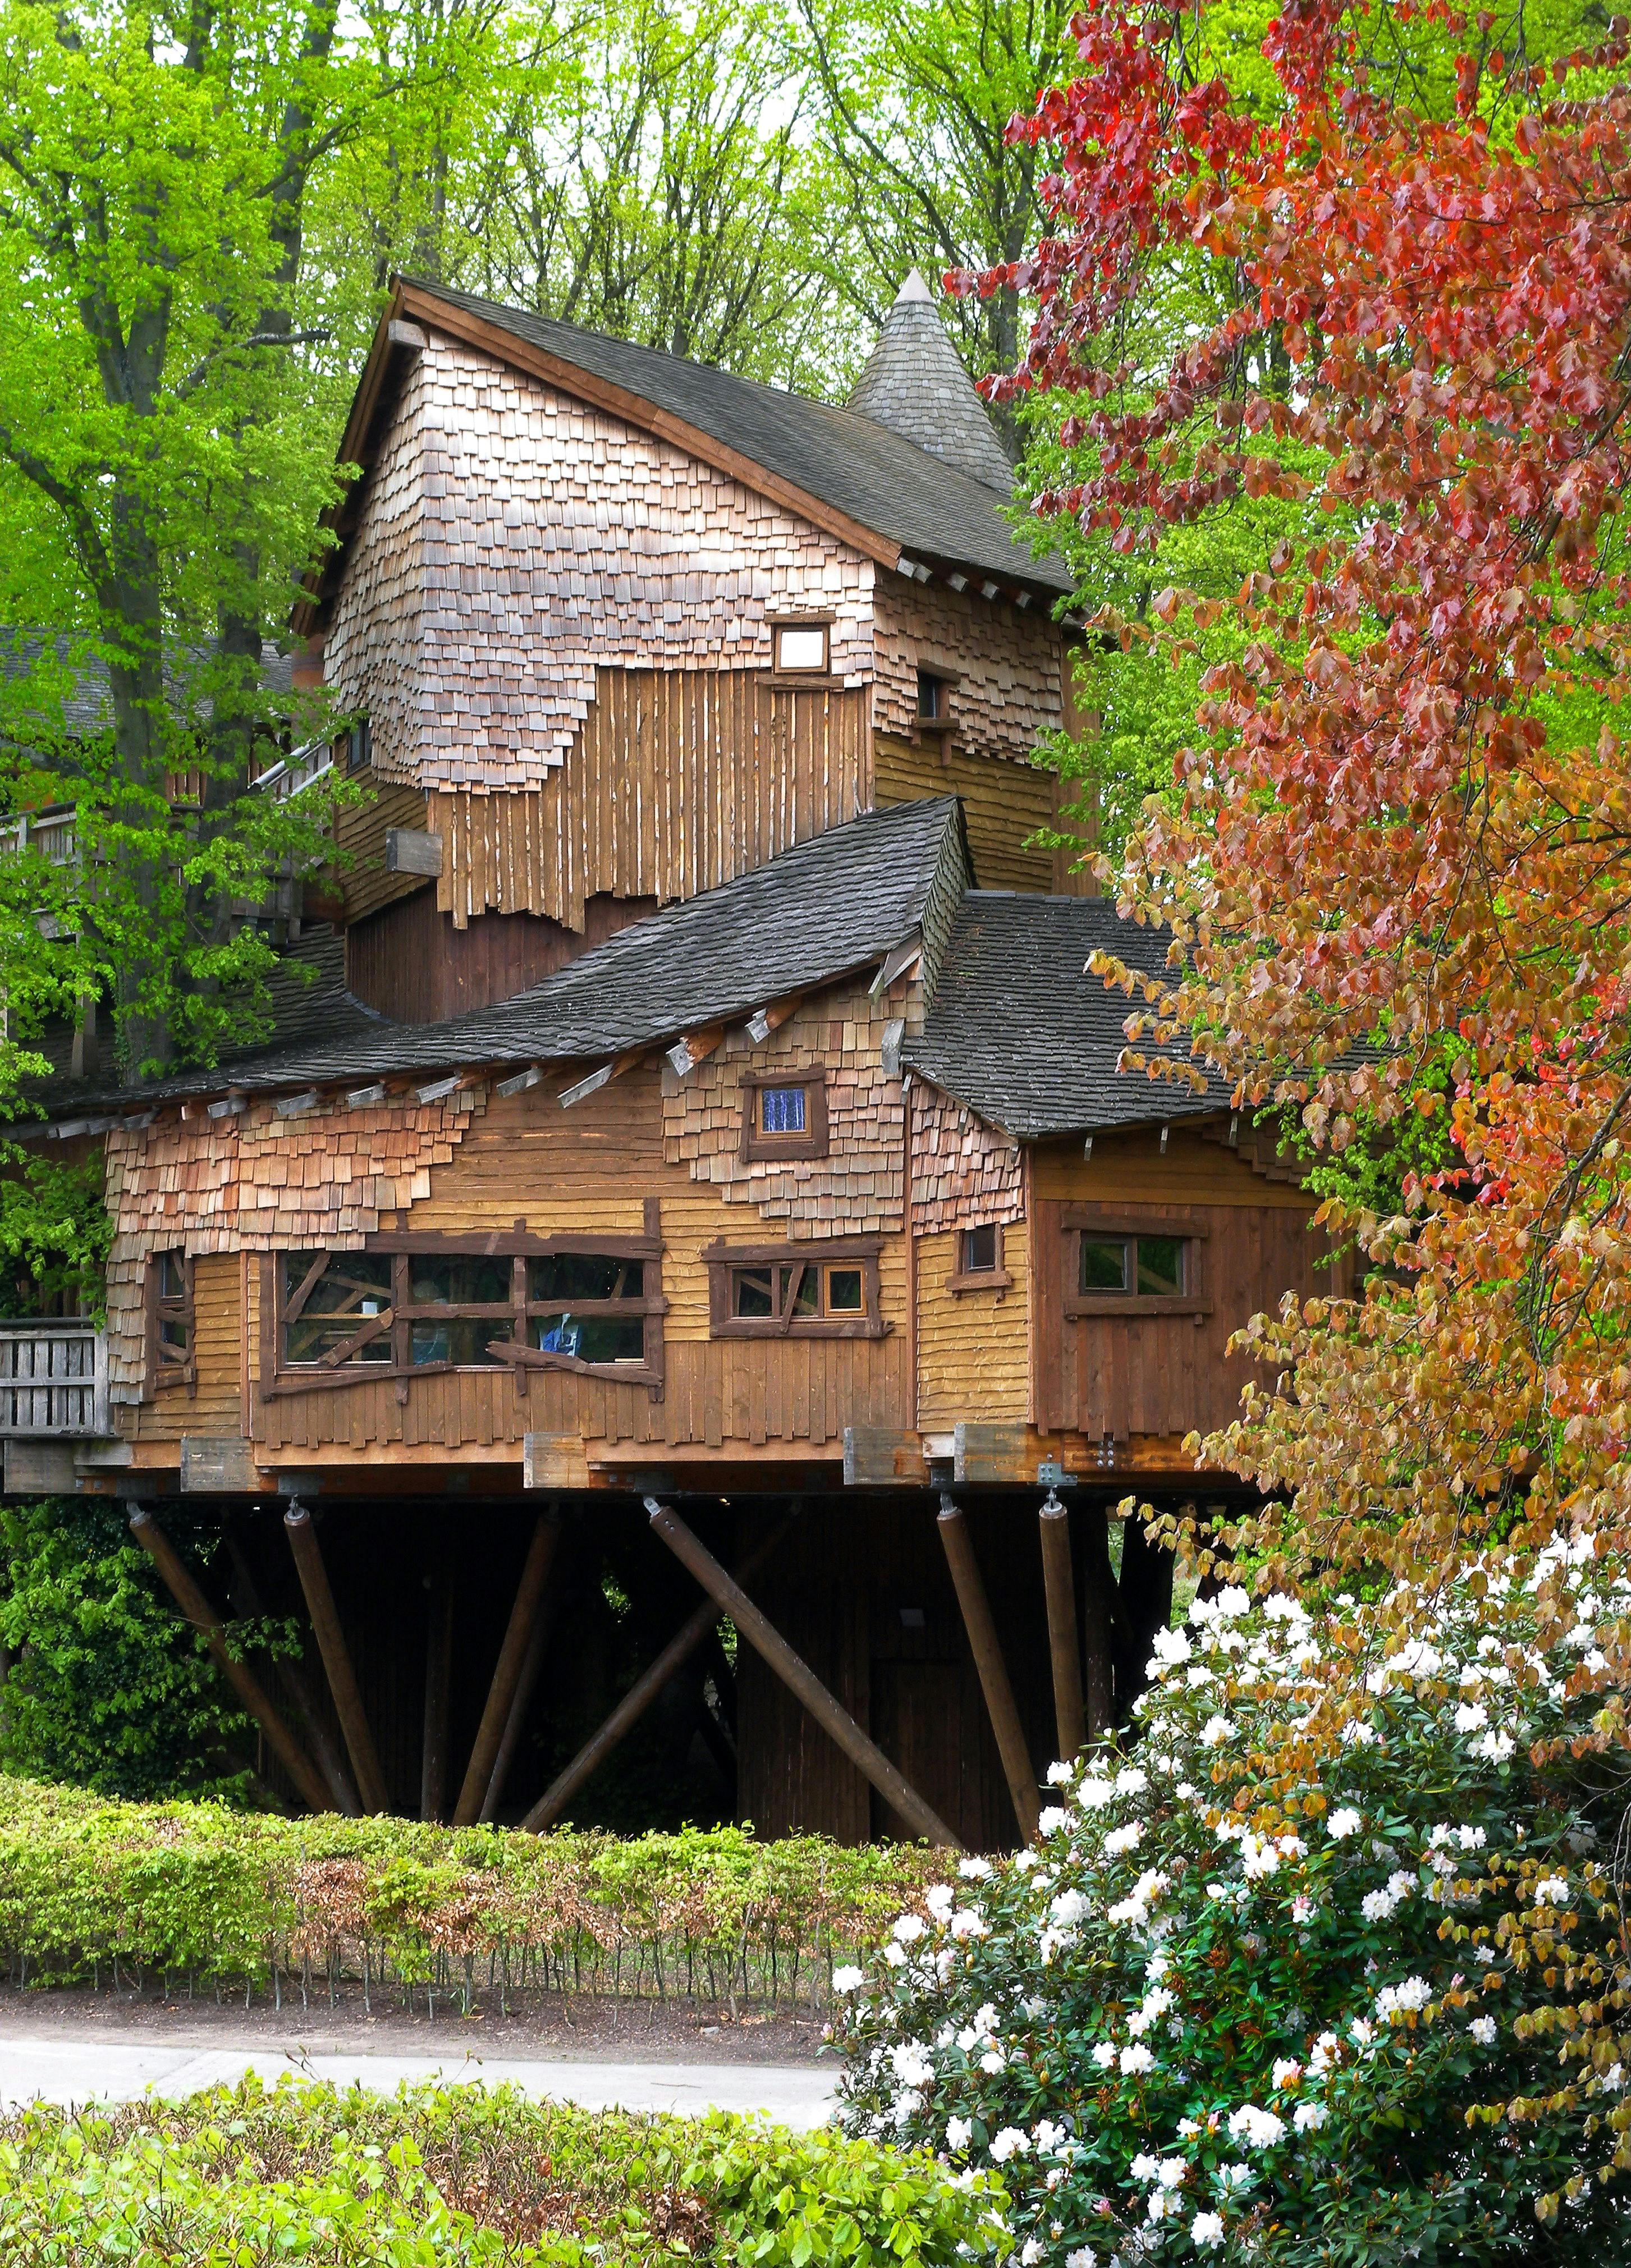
(1154, 1870)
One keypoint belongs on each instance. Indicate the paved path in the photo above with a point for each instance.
(76, 2070)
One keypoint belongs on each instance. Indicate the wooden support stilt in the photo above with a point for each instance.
(238, 1675)
(298, 1692)
(514, 1723)
(1099, 1604)
(507, 1670)
(438, 1693)
(1063, 1645)
(829, 1714)
(336, 1655)
(691, 1633)
(1012, 1746)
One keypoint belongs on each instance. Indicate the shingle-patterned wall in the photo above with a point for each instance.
(258, 1182)
(963, 1173)
(1008, 665)
(856, 1189)
(552, 538)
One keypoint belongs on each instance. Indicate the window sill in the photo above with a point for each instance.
(980, 1279)
(818, 1327)
(801, 681)
(1135, 1305)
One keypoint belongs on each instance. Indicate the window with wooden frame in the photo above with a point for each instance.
(410, 1304)
(171, 1355)
(785, 1113)
(1125, 1266)
(803, 647)
(934, 691)
(978, 1264)
(824, 1291)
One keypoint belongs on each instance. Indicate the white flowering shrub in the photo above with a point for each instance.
(1282, 1978)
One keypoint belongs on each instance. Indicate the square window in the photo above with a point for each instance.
(934, 697)
(782, 1109)
(1104, 1265)
(801, 649)
(980, 1250)
(843, 1291)
(1161, 1267)
(753, 1291)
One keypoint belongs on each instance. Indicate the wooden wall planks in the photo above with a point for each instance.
(1164, 1374)
(360, 832)
(1004, 803)
(411, 961)
(837, 1589)
(591, 1168)
(677, 781)
(972, 1347)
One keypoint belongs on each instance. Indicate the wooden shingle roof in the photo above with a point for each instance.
(854, 476)
(1021, 1033)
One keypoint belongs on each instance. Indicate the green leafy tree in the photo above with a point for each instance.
(106, 1688)
(167, 414)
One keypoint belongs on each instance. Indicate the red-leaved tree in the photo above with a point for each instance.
(1397, 860)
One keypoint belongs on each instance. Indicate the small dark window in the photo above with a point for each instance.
(1161, 1267)
(933, 697)
(359, 747)
(1104, 1265)
(1146, 1267)
(170, 1319)
(980, 1250)
(801, 649)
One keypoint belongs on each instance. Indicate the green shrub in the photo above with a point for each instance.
(453, 2175)
(1293, 1979)
(208, 1892)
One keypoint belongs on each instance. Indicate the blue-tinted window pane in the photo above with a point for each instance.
(781, 1109)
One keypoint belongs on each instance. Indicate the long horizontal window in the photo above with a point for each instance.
(825, 1289)
(578, 1303)
(1131, 1267)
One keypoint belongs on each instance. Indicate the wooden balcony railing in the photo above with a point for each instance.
(53, 1380)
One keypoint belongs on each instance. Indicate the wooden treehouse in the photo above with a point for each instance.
(694, 1193)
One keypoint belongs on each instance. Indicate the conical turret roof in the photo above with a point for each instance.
(915, 384)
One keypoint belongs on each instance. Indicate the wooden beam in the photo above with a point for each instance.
(331, 1644)
(650, 1683)
(515, 1722)
(1012, 1746)
(507, 1670)
(1099, 1604)
(796, 1674)
(1064, 1644)
(438, 1607)
(297, 1689)
(693, 1047)
(238, 1675)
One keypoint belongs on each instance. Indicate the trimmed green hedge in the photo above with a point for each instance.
(447, 2176)
(92, 1889)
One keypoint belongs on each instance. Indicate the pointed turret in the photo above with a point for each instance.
(916, 385)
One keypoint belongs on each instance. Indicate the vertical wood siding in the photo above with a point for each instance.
(677, 781)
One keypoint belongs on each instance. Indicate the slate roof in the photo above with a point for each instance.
(915, 384)
(930, 509)
(1020, 1033)
(830, 905)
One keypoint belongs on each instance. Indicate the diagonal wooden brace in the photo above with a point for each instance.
(830, 1714)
